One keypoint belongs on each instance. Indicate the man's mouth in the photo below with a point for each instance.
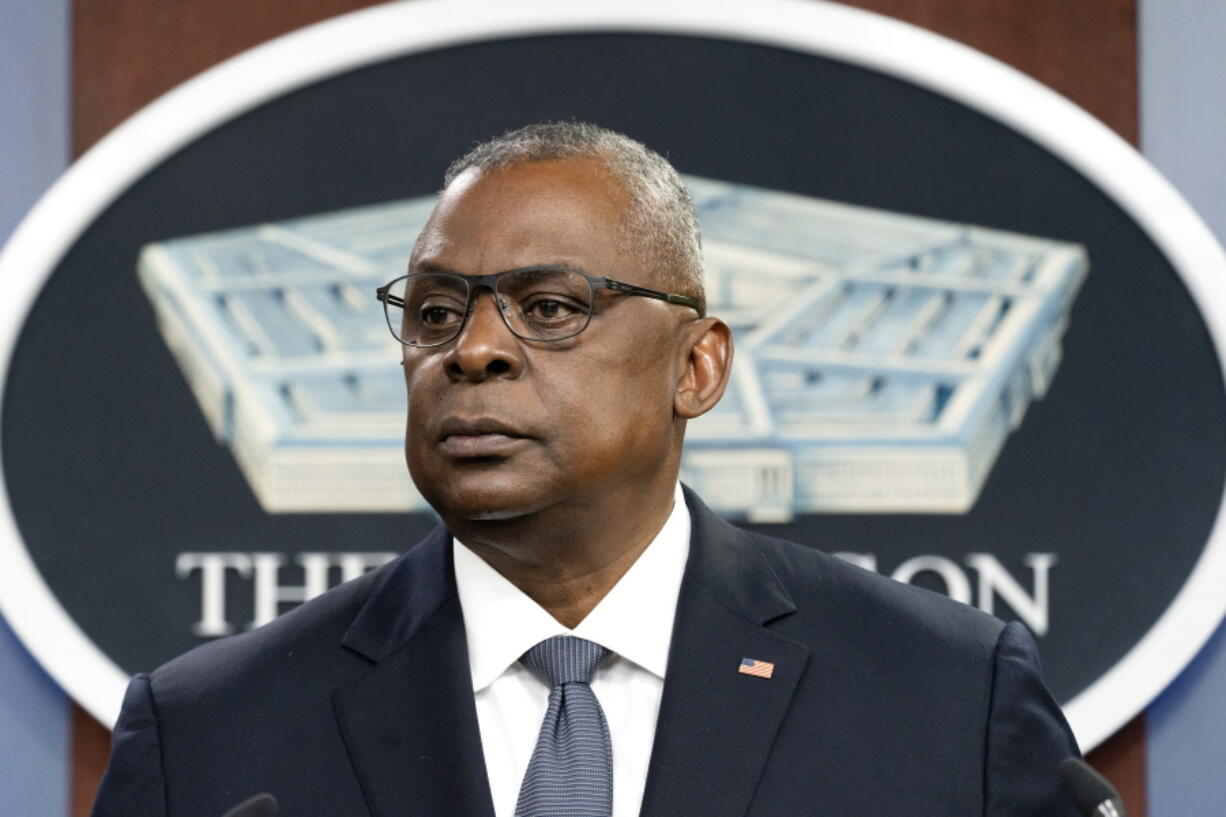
(481, 437)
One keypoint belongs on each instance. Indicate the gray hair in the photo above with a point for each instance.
(660, 224)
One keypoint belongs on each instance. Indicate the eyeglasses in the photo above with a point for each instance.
(427, 309)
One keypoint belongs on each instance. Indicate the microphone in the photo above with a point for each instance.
(262, 805)
(1094, 796)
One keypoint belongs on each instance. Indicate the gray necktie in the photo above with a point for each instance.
(571, 771)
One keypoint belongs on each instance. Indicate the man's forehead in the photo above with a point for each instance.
(584, 177)
(569, 208)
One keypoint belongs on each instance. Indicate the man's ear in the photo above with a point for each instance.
(707, 345)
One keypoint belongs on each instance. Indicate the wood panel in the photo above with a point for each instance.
(128, 52)
(91, 745)
(1121, 759)
(1086, 49)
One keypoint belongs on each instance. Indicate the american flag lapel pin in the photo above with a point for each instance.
(751, 666)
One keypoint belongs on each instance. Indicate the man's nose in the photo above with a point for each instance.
(485, 347)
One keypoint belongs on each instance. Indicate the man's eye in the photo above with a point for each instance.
(552, 309)
(438, 316)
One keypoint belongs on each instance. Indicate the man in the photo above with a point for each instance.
(580, 636)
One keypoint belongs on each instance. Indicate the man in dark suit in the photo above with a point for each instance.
(555, 344)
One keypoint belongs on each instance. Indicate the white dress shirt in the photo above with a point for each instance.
(634, 621)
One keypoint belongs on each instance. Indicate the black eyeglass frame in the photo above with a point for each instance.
(490, 282)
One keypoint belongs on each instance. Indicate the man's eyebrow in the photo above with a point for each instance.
(555, 265)
(434, 267)
(430, 266)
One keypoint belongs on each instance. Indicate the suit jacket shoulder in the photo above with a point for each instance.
(255, 712)
(910, 702)
(825, 586)
(297, 643)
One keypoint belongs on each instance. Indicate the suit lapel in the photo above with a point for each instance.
(717, 725)
(410, 724)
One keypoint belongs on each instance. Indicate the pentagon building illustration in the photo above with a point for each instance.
(881, 359)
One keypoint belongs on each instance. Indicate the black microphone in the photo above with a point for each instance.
(262, 805)
(1094, 796)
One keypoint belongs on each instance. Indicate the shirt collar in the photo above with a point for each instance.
(634, 620)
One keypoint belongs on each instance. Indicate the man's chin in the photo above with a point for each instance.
(484, 500)
(487, 510)
(494, 514)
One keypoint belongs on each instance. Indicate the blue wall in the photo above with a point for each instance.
(34, 149)
(1183, 120)
(34, 101)
(34, 739)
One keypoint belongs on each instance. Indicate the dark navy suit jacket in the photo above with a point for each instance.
(885, 700)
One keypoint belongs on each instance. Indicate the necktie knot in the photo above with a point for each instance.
(564, 659)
